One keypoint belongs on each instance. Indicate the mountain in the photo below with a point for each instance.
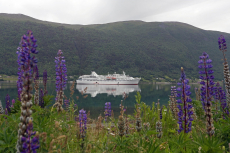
(144, 49)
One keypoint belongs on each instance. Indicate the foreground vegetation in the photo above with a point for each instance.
(60, 132)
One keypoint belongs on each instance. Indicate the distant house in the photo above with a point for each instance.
(0, 76)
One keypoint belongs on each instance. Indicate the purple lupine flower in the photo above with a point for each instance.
(207, 80)
(61, 79)
(45, 81)
(222, 43)
(83, 122)
(8, 103)
(30, 144)
(13, 102)
(223, 48)
(207, 89)
(41, 100)
(28, 46)
(161, 113)
(107, 110)
(27, 62)
(61, 72)
(221, 97)
(184, 104)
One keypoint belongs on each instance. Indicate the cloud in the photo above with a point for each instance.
(205, 14)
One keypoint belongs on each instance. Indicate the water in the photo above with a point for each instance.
(99, 94)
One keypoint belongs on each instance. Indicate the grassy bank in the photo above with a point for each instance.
(63, 132)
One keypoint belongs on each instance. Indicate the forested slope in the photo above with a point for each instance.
(145, 49)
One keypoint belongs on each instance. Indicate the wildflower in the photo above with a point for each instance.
(41, 100)
(184, 105)
(207, 90)
(173, 106)
(28, 46)
(28, 143)
(83, 121)
(107, 110)
(221, 97)
(161, 113)
(13, 102)
(159, 129)
(223, 48)
(159, 123)
(121, 123)
(61, 79)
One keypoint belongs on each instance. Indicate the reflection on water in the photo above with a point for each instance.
(114, 90)
(98, 95)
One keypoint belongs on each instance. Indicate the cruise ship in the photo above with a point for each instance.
(110, 79)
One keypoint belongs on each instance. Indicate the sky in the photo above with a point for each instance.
(204, 14)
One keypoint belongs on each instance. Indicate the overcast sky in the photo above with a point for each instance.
(205, 14)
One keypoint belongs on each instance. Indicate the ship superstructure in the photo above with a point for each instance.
(110, 79)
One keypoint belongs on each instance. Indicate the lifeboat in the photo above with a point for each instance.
(113, 78)
(108, 78)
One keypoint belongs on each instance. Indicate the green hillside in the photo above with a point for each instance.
(143, 49)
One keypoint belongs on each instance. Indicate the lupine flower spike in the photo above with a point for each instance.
(27, 62)
(83, 122)
(184, 104)
(61, 79)
(207, 90)
(13, 102)
(220, 96)
(41, 100)
(159, 123)
(30, 144)
(173, 104)
(107, 110)
(223, 49)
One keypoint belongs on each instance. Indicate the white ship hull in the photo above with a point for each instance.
(109, 82)
(110, 79)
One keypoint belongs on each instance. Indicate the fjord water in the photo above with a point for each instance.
(99, 94)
